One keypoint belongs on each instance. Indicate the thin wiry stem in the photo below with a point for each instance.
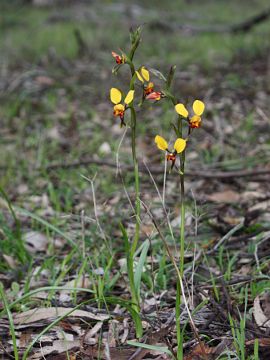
(118, 151)
(96, 212)
(137, 184)
(164, 183)
(163, 205)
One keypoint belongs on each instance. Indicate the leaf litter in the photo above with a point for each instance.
(96, 331)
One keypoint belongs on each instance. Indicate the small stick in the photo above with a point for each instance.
(226, 237)
(196, 173)
(103, 235)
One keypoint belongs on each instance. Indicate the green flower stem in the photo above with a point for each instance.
(179, 333)
(134, 295)
(135, 43)
(136, 166)
(181, 267)
(182, 200)
(182, 225)
(132, 69)
(137, 183)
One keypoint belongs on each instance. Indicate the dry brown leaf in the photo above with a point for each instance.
(147, 229)
(67, 326)
(105, 148)
(44, 80)
(89, 336)
(264, 342)
(115, 353)
(261, 319)
(265, 301)
(36, 241)
(113, 333)
(263, 205)
(81, 282)
(58, 346)
(232, 220)
(252, 195)
(35, 315)
(126, 331)
(245, 270)
(25, 339)
(198, 353)
(54, 133)
(12, 263)
(227, 197)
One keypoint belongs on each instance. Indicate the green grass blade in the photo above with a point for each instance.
(163, 349)
(10, 319)
(256, 349)
(22, 252)
(130, 269)
(134, 314)
(47, 224)
(125, 237)
(139, 268)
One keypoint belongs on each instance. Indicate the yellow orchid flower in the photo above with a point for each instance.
(148, 86)
(119, 109)
(179, 146)
(198, 109)
(143, 74)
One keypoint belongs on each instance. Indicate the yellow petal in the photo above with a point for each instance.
(181, 110)
(139, 76)
(180, 145)
(129, 97)
(145, 73)
(161, 143)
(115, 95)
(198, 107)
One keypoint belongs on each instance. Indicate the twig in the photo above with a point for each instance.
(241, 27)
(118, 150)
(154, 170)
(164, 182)
(265, 238)
(248, 24)
(237, 281)
(162, 202)
(103, 235)
(195, 260)
(226, 237)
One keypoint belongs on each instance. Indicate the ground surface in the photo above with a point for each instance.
(62, 200)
